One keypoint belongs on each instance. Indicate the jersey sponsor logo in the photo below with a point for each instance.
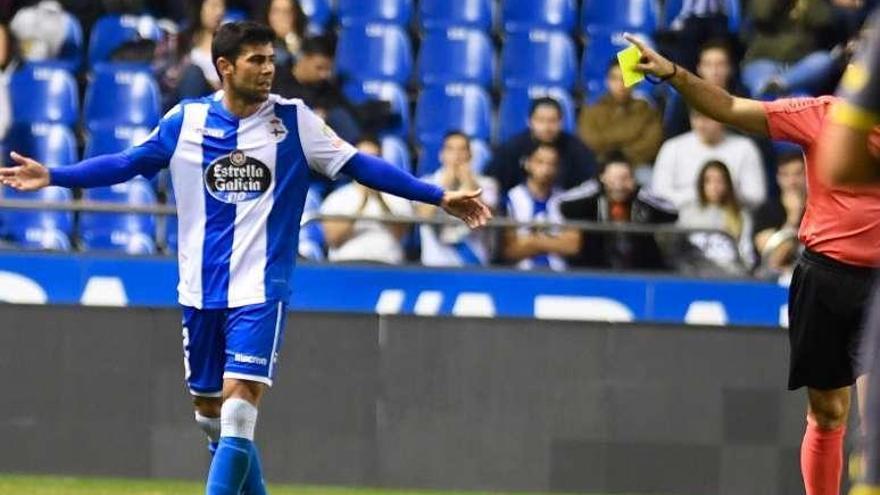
(236, 177)
(207, 131)
(244, 358)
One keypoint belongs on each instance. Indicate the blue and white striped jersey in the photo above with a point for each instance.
(523, 207)
(240, 186)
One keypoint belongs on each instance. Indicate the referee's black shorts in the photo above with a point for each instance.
(827, 301)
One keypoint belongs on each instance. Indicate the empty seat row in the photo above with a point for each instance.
(382, 52)
(116, 94)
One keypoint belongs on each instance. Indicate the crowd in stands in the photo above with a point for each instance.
(508, 96)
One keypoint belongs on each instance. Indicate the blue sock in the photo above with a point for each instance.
(253, 483)
(230, 466)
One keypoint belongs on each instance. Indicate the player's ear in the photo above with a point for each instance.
(225, 67)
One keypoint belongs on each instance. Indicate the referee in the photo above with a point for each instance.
(832, 281)
(847, 151)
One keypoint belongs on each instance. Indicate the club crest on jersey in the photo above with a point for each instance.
(237, 177)
(277, 130)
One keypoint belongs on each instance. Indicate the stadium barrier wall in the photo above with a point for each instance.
(405, 401)
(94, 280)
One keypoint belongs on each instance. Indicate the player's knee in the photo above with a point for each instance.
(238, 418)
(830, 409)
(207, 406)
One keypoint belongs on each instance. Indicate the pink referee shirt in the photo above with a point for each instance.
(840, 222)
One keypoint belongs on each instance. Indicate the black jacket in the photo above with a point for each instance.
(576, 161)
(588, 202)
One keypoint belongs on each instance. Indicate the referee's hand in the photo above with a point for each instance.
(651, 63)
(29, 175)
(467, 206)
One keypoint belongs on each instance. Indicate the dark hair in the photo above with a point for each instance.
(319, 45)
(545, 100)
(231, 38)
(457, 133)
(789, 156)
(537, 145)
(300, 21)
(730, 201)
(369, 138)
(718, 44)
(613, 156)
(192, 26)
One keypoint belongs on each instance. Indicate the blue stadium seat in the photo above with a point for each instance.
(113, 139)
(671, 9)
(111, 31)
(234, 15)
(513, 113)
(50, 144)
(129, 232)
(375, 52)
(539, 58)
(634, 15)
(525, 15)
(319, 13)
(395, 151)
(122, 94)
(463, 107)
(600, 51)
(456, 55)
(393, 93)
(40, 229)
(439, 14)
(72, 49)
(353, 12)
(44, 93)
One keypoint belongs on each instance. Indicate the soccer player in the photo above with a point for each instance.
(239, 162)
(831, 283)
(848, 153)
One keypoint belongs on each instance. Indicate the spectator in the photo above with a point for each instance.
(287, 20)
(716, 64)
(311, 79)
(456, 245)
(40, 30)
(681, 159)
(717, 208)
(576, 162)
(199, 76)
(619, 122)
(778, 219)
(616, 198)
(537, 200)
(785, 52)
(365, 239)
(8, 64)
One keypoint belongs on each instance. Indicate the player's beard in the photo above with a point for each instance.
(251, 94)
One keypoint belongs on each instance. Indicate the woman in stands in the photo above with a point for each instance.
(288, 22)
(199, 76)
(717, 208)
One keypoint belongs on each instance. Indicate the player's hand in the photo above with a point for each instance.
(28, 175)
(467, 206)
(651, 63)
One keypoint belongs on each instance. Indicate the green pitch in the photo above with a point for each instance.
(46, 485)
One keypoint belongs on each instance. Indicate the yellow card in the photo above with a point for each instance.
(628, 58)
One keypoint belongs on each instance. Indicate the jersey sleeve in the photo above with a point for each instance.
(797, 120)
(154, 153)
(325, 152)
(860, 86)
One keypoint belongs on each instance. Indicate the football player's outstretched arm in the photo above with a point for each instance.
(383, 176)
(710, 100)
(104, 170)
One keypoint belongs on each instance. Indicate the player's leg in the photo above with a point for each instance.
(253, 337)
(870, 360)
(203, 358)
(822, 447)
(826, 303)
